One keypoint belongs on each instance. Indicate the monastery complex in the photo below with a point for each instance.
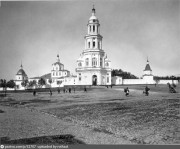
(93, 66)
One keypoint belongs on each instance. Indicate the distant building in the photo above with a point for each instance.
(148, 77)
(20, 77)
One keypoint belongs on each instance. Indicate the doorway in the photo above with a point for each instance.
(94, 80)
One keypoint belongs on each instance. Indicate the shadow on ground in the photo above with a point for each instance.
(58, 139)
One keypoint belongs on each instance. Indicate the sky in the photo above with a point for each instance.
(34, 32)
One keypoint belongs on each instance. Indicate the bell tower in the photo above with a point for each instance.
(93, 39)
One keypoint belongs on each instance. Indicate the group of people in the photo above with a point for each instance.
(65, 90)
(146, 91)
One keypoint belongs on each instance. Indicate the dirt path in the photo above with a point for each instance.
(21, 123)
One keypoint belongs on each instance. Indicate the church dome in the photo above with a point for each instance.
(58, 63)
(93, 18)
(21, 72)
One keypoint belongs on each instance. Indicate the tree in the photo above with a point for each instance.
(3, 84)
(32, 83)
(59, 83)
(25, 83)
(11, 84)
(123, 74)
(41, 82)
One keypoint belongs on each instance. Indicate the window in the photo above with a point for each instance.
(56, 73)
(101, 62)
(93, 28)
(56, 68)
(87, 61)
(79, 76)
(94, 61)
(107, 64)
(107, 79)
(94, 20)
(88, 44)
(90, 27)
(93, 44)
(80, 64)
(53, 73)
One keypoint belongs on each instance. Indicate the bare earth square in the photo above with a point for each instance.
(100, 116)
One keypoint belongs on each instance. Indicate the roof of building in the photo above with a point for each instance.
(58, 63)
(93, 17)
(46, 76)
(21, 72)
(147, 68)
(35, 78)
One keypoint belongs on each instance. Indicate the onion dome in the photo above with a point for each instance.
(21, 71)
(93, 18)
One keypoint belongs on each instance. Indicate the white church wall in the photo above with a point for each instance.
(168, 81)
(148, 79)
(117, 80)
(133, 81)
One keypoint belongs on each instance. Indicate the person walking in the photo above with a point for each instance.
(126, 90)
(50, 92)
(59, 90)
(146, 91)
(34, 93)
(85, 90)
(69, 90)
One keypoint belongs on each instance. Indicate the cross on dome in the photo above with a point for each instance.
(93, 11)
(58, 58)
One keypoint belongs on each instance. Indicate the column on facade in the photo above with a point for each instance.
(88, 29)
(85, 43)
(98, 60)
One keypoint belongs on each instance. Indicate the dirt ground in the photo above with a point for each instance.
(100, 116)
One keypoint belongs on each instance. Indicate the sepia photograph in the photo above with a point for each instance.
(92, 73)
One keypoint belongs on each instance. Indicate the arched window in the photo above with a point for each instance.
(100, 62)
(87, 61)
(80, 64)
(94, 44)
(107, 79)
(94, 61)
(107, 64)
(93, 28)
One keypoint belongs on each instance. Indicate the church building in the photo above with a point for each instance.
(93, 66)
(21, 76)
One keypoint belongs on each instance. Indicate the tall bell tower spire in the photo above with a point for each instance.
(93, 39)
(93, 11)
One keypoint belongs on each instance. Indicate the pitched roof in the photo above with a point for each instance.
(147, 68)
(46, 76)
(21, 72)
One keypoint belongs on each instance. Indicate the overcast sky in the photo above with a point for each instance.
(35, 32)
